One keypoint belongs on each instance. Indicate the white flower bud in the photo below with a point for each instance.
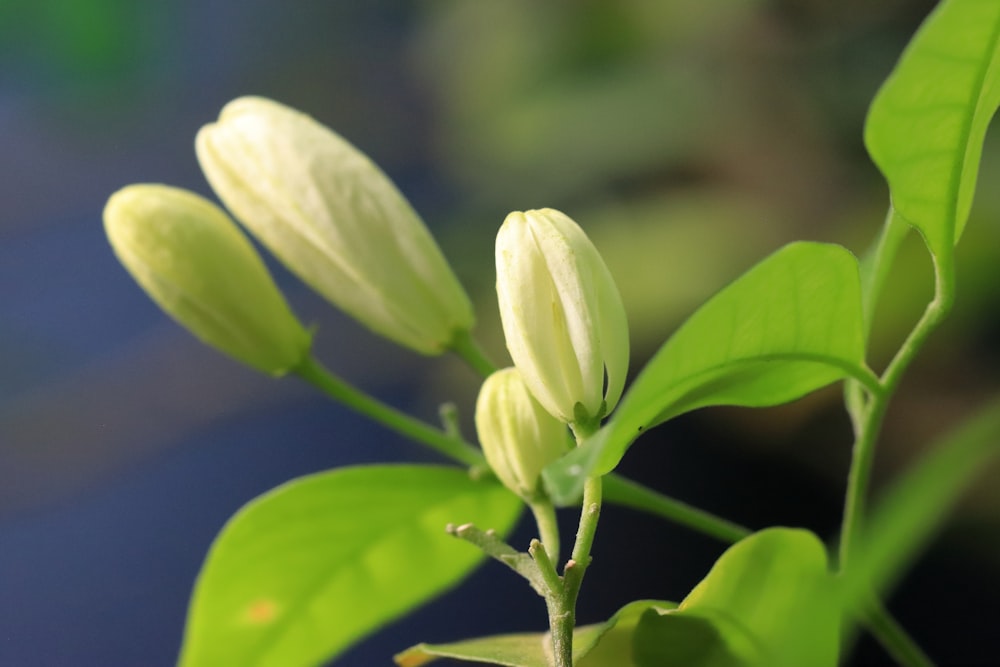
(562, 315)
(200, 268)
(517, 435)
(335, 220)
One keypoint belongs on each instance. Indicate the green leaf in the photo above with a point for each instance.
(687, 640)
(788, 326)
(613, 640)
(605, 644)
(300, 573)
(926, 126)
(515, 650)
(767, 602)
(909, 512)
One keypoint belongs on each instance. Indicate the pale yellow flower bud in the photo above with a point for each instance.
(517, 435)
(562, 315)
(200, 268)
(335, 220)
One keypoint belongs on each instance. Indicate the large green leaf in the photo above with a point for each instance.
(302, 572)
(788, 326)
(926, 126)
(606, 644)
(768, 601)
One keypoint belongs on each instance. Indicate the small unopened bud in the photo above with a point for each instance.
(517, 435)
(562, 315)
(335, 220)
(200, 268)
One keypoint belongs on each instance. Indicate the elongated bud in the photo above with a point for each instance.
(562, 315)
(335, 220)
(517, 435)
(200, 268)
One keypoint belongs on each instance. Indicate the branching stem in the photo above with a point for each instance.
(867, 414)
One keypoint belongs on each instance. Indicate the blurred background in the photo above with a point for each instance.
(688, 137)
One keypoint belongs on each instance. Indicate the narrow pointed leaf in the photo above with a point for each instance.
(790, 325)
(926, 126)
(304, 571)
(605, 644)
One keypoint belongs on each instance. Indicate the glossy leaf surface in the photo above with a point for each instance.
(605, 644)
(767, 602)
(684, 640)
(926, 126)
(305, 570)
(788, 326)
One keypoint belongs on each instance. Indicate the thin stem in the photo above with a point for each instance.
(585, 532)
(466, 347)
(858, 477)
(627, 493)
(548, 527)
(893, 638)
(620, 490)
(867, 411)
(876, 266)
(562, 603)
(877, 263)
(873, 414)
(548, 572)
(491, 545)
(867, 418)
(314, 373)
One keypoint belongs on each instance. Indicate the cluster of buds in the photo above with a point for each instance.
(563, 318)
(320, 206)
(567, 333)
(336, 221)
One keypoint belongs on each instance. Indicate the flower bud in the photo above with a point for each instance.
(200, 268)
(517, 435)
(562, 315)
(335, 220)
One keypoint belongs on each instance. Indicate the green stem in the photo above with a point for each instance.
(455, 448)
(893, 638)
(491, 545)
(877, 264)
(626, 493)
(867, 412)
(562, 620)
(872, 415)
(545, 567)
(561, 603)
(868, 415)
(466, 347)
(621, 491)
(589, 515)
(548, 527)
